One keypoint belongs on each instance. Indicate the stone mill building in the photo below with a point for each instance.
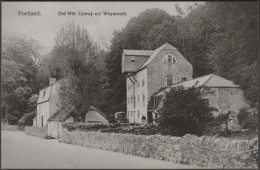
(148, 72)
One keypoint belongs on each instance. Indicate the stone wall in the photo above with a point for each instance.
(36, 131)
(9, 127)
(202, 151)
(236, 99)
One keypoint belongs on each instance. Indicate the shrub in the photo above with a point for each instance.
(242, 116)
(248, 119)
(83, 126)
(185, 111)
(27, 119)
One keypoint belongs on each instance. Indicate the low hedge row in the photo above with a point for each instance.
(149, 129)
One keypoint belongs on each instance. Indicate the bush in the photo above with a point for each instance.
(27, 119)
(248, 119)
(185, 111)
(83, 126)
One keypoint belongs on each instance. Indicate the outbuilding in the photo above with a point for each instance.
(55, 122)
(222, 93)
(95, 115)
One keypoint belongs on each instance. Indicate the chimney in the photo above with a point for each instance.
(52, 81)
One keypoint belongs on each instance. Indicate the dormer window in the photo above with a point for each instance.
(132, 58)
(169, 59)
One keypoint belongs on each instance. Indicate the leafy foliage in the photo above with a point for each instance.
(248, 119)
(75, 59)
(19, 70)
(27, 119)
(185, 111)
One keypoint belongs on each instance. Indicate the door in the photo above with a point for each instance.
(150, 117)
(223, 98)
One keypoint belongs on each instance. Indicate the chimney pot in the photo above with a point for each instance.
(52, 81)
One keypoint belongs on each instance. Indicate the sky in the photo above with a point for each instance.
(44, 28)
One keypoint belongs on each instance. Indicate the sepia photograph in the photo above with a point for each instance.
(129, 85)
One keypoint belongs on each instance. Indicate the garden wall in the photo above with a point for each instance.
(9, 127)
(202, 151)
(36, 131)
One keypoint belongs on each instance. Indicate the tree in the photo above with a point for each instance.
(74, 60)
(185, 111)
(212, 42)
(19, 60)
(235, 51)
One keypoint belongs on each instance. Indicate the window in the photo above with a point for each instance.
(132, 58)
(176, 80)
(224, 98)
(143, 82)
(169, 59)
(169, 81)
(138, 84)
(138, 98)
(143, 98)
(138, 114)
(44, 93)
(131, 113)
(157, 101)
(42, 121)
(183, 79)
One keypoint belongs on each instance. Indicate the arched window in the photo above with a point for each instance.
(169, 59)
(143, 82)
(143, 119)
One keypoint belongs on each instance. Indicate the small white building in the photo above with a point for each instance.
(55, 122)
(48, 102)
(95, 115)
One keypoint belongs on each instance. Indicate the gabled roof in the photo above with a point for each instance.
(165, 46)
(138, 52)
(210, 80)
(45, 93)
(92, 108)
(61, 115)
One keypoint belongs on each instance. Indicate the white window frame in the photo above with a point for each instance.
(173, 59)
(132, 58)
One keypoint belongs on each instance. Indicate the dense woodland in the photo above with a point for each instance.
(215, 37)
